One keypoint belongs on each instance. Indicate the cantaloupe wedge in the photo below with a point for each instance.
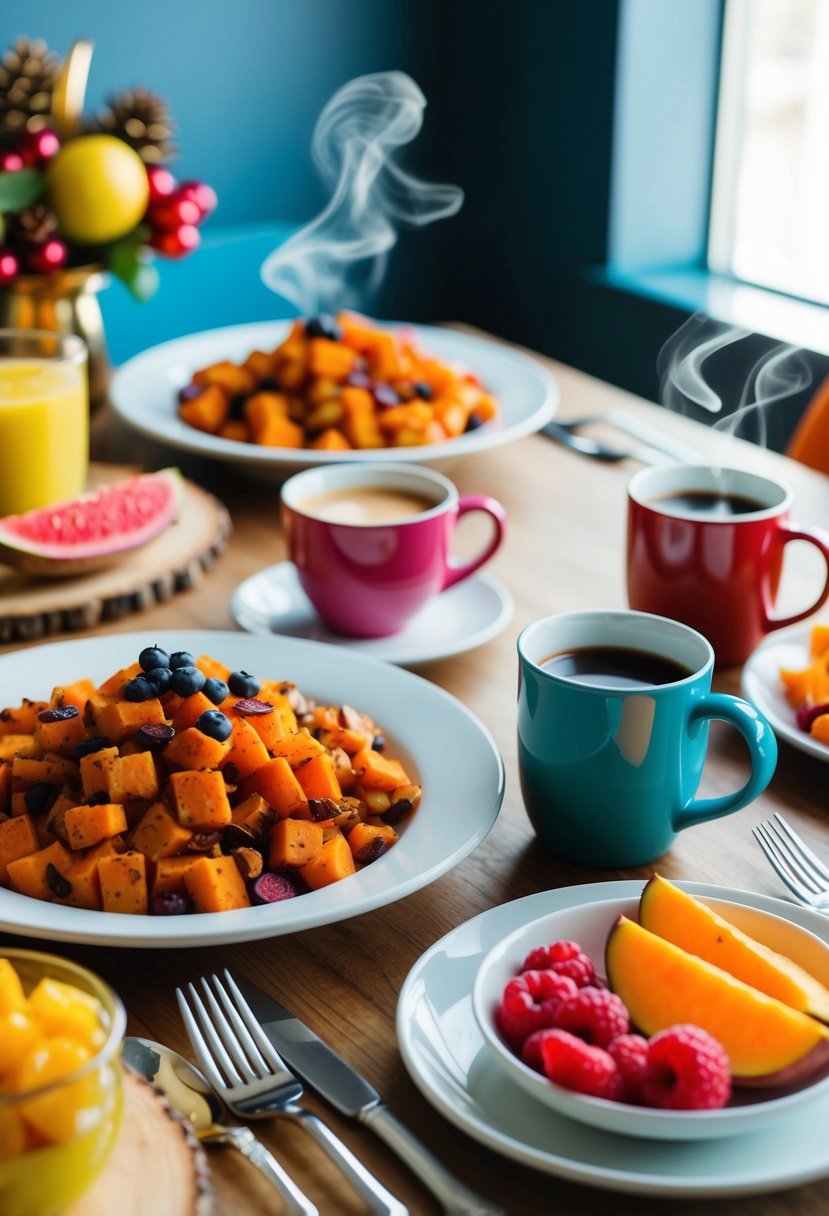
(673, 914)
(767, 1042)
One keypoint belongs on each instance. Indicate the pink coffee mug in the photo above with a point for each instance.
(369, 578)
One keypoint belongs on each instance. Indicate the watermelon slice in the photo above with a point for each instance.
(93, 531)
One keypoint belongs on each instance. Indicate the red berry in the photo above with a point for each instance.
(594, 1014)
(567, 958)
(687, 1069)
(172, 212)
(528, 1004)
(51, 255)
(162, 183)
(35, 147)
(531, 1051)
(177, 242)
(572, 1063)
(630, 1051)
(9, 266)
(807, 714)
(201, 194)
(10, 162)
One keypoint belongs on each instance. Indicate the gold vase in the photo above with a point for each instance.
(65, 302)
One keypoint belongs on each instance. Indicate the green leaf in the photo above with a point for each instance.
(129, 261)
(20, 189)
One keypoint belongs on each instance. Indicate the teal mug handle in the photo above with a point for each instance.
(762, 746)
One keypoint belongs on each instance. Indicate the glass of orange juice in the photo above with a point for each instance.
(44, 419)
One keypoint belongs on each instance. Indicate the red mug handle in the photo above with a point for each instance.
(482, 502)
(821, 541)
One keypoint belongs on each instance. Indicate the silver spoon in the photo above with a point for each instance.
(189, 1094)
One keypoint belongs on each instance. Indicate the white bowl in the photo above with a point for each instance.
(590, 925)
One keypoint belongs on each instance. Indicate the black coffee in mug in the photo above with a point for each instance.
(710, 503)
(614, 667)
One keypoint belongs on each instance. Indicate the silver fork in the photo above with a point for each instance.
(250, 1076)
(791, 858)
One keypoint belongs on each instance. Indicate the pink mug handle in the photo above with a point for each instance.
(482, 502)
(820, 540)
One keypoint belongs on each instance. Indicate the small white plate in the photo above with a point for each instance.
(467, 615)
(762, 686)
(447, 1059)
(589, 925)
(144, 393)
(450, 751)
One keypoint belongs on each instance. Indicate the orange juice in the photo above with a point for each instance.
(44, 432)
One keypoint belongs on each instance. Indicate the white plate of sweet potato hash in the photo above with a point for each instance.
(195, 787)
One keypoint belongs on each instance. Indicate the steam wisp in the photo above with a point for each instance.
(343, 252)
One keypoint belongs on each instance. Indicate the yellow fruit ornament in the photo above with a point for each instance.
(97, 188)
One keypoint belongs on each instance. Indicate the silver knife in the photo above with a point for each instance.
(352, 1095)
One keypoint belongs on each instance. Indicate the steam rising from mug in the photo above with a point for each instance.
(355, 141)
(778, 374)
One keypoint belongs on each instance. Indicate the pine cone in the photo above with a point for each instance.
(34, 225)
(28, 72)
(142, 119)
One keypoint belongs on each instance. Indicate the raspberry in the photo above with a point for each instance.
(594, 1014)
(567, 958)
(630, 1051)
(574, 1064)
(687, 1069)
(531, 1051)
(528, 1004)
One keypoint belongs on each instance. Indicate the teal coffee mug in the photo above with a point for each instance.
(613, 713)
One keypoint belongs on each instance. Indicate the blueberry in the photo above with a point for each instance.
(324, 326)
(422, 389)
(474, 421)
(169, 903)
(155, 735)
(91, 745)
(214, 724)
(160, 678)
(215, 690)
(187, 680)
(182, 658)
(385, 396)
(236, 410)
(378, 743)
(243, 684)
(269, 384)
(139, 689)
(39, 798)
(153, 657)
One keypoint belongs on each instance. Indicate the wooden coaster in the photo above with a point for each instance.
(31, 608)
(157, 1164)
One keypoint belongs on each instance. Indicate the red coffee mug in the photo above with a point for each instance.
(705, 547)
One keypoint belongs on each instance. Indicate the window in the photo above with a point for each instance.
(769, 219)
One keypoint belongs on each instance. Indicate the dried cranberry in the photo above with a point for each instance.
(190, 392)
(156, 735)
(271, 888)
(807, 714)
(59, 715)
(169, 903)
(385, 396)
(358, 380)
(249, 707)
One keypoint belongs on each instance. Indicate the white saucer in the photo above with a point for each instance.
(445, 1054)
(467, 615)
(762, 686)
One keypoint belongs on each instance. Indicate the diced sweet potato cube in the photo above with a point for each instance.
(279, 432)
(818, 640)
(215, 885)
(16, 745)
(259, 363)
(5, 787)
(820, 728)
(76, 694)
(277, 784)
(159, 834)
(254, 813)
(190, 710)
(212, 668)
(193, 750)
(378, 772)
(229, 376)
(20, 720)
(87, 825)
(369, 841)
(208, 411)
(236, 430)
(294, 842)
(132, 776)
(28, 875)
(330, 440)
(318, 779)
(298, 747)
(95, 771)
(261, 408)
(114, 686)
(119, 720)
(82, 874)
(18, 838)
(333, 862)
(170, 871)
(201, 799)
(51, 769)
(61, 737)
(124, 883)
(331, 359)
(247, 752)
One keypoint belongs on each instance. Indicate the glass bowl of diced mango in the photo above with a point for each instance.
(60, 1080)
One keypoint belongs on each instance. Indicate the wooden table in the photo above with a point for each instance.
(564, 551)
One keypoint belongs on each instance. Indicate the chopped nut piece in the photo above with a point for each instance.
(249, 861)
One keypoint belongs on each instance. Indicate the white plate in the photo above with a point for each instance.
(143, 392)
(761, 684)
(467, 615)
(463, 784)
(589, 925)
(445, 1055)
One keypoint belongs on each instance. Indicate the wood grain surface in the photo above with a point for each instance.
(564, 551)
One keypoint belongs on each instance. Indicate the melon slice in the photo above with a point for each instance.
(767, 1042)
(671, 913)
(93, 531)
